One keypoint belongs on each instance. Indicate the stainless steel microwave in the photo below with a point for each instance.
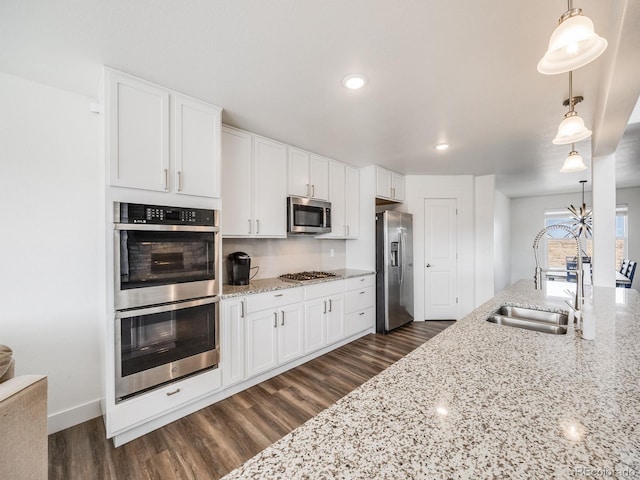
(305, 215)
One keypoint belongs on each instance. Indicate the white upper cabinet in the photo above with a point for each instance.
(137, 140)
(389, 185)
(344, 195)
(237, 187)
(140, 130)
(254, 190)
(270, 187)
(196, 140)
(352, 205)
(397, 187)
(308, 175)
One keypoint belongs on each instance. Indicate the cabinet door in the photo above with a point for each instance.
(233, 341)
(314, 325)
(335, 318)
(290, 332)
(137, 136)
(337, 199)
(352, 196)
(270, 184)
(237, 218)
(261, 341)
(196, 143)
(397, 187)
(299, 184)
(319, 177)
(383, 183)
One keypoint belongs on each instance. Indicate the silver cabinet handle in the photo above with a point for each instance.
(278, 294)
(394, 193)
(242, 308)
(330, 305)
(308, 191)
(325, 306)
(275, 319)
(179, 181)
(166, 179)
(282, 317)
(257, 227)
(313, 190)
(347, 230)
(362, 293)
(177, 390)
(362, 279)
(249, 225)
(361, 313)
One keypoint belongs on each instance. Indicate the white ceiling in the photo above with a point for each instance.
(460, 72)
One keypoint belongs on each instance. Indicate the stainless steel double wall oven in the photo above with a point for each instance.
(166, 289)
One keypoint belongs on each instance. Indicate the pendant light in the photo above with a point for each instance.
(573, 44)
(572, 128)
(573, 163)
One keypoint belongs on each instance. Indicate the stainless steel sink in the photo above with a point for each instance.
(530, 319)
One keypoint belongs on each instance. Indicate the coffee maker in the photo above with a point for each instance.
(239, 268)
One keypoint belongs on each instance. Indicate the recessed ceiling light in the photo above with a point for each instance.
(442, 146)
(354, 81)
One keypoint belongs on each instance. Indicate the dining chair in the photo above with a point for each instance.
(623, 266)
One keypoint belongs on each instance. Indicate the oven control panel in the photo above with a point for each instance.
(136, 213)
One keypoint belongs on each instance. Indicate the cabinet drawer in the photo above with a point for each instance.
(360, 282)
(325, 289)
(136, 410)
(359, 321)
(274, 299)
(359, 300)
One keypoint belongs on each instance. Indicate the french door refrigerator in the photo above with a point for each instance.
(394, 270)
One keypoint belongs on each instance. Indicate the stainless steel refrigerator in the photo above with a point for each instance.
(394, 270)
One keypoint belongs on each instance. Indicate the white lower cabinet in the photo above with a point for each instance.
(359, 321)
(263, 331)
(360, 301)
(273, 337)
(315, 329)
(335, 319)
(232, 346)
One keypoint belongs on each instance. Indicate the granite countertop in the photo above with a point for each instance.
(481, 400)
(270, 284)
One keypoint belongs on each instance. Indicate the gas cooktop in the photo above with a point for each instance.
(306, 276)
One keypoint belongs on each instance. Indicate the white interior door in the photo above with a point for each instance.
(440, 257)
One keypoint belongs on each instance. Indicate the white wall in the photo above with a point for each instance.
(484, 238)
(50, 256)
(460, 187)
(527, 219)
(502, 241)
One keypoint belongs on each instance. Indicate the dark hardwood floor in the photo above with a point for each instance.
(213, 441)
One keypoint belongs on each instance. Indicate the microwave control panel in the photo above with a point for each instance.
(136, 213)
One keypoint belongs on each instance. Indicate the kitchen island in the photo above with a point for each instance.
(487, 401)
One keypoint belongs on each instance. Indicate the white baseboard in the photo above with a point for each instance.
(73, 416)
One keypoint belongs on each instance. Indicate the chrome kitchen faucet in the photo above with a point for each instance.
(579, 298)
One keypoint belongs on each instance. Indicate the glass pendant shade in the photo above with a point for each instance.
(571, 130)
(573, 163)
(573, 44)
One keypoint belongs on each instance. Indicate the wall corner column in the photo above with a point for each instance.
(603, 179)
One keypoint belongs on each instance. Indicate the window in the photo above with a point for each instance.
(559, 247)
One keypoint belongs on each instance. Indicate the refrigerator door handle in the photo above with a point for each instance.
(401, 259)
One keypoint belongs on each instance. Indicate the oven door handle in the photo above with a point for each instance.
(165, 308)
(164, 228)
